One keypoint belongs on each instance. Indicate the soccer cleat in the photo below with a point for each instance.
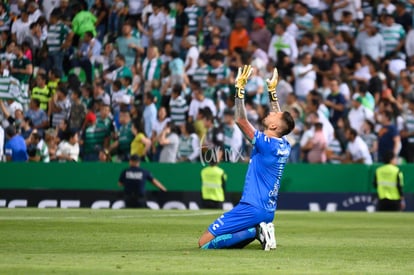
(263, 236)
(271, 230)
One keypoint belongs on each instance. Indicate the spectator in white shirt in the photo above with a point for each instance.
(359, 113)
(357, 150)
(282, 41)
(305, 76)
(191, 58)
(68, 150)
(157, 23)
(199, 101)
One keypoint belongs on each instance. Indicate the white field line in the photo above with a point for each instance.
(12, 218)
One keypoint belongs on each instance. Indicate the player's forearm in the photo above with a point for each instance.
(241, 119)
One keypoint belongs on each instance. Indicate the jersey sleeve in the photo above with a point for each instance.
(259, 142)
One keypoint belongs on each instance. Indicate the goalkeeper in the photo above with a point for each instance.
(252, 218)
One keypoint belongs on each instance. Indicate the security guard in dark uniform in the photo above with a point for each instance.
(133, 181)
(389, 182)
(213, 180)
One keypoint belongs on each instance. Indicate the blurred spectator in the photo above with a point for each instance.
(358, 114)
(77, 111)
(101, 12)
(233, 138)
(316, 145)
(178, 107)
(128, 45)
(389, 139)
(68, 150)
(15, 148)
(93, 138)
(157, 128)
(294, 136)
(357, 150)
(40, 148)
(20, 27)
(219, 19)
(90, 48)
(151, 67)
(214, 137)
(84, 21)
(150, 114)
(37, 115)
(122, 146)
(181, 25)
(222, 72)
(260, 34)
(303, 18)
(305, 76)
(169, 140)
(191, 57)
(335, 102)
(195, 19)
(202, 70)
(42, 92)
(239, 37)
(141, 144)
(157, 23)
(22, 68)
(199, 101)
(369, 136)
(189, 144)
(334, 150)
(115, 17)
(394, 35)
(284, 42)
(59, 106)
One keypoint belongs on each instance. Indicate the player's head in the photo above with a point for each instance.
(389, 157)
(134, 160)
(281, 123)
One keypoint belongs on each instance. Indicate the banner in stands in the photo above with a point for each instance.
(330, 202)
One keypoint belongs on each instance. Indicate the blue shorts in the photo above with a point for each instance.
(241, 217)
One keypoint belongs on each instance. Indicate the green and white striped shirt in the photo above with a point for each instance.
(193, 13)
(56, 35)
(178, 110)
(200, 75)
(392, 36)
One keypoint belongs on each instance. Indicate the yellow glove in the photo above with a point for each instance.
(243, 75)
(271, 85)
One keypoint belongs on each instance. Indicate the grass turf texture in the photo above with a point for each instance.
(84, 241)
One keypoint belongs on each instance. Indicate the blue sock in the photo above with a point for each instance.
(234, 240)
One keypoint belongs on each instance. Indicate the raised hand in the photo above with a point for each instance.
(243, 75)
(271, 88)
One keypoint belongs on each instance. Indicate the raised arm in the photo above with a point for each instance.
(240, 110)
(271, 88)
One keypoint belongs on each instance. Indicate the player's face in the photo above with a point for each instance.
(271, 121)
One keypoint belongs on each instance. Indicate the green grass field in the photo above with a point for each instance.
(84, 241)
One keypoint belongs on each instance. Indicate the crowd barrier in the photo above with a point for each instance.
(303, 186)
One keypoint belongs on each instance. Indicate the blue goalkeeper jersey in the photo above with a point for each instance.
(266, 167)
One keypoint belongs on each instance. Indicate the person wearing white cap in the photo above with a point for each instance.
(359, 113)
(192, 54)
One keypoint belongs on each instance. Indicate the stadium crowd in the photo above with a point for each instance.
(102, 80)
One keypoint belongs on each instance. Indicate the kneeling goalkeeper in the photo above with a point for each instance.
(252, 217)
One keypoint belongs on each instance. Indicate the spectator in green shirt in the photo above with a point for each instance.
(122, 146)
(92, 138)
(83, 22)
